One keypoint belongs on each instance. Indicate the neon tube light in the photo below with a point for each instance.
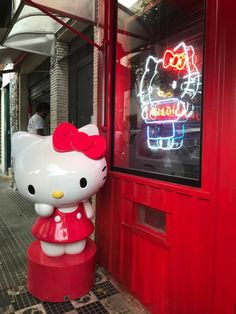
(162, 106)
(173, 142)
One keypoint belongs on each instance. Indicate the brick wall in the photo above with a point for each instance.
(59, 86)
(14, 104)
(95, 78)
(23, 102)
(0, 131)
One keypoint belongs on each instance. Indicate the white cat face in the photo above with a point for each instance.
(175, 76)
(44, 175)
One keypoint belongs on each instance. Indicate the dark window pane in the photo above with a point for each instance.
(158, 88)
(152, 218)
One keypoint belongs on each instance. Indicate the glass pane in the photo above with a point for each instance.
(152, 218)
(81, 8)
(158, 88)
(34, 30)
(42, 43)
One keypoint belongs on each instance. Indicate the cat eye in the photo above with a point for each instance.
(83, 183)
(31, 189)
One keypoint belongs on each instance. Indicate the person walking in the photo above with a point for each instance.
(36, 124)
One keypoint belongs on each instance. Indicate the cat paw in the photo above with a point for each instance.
(44, 210)
(89, 210)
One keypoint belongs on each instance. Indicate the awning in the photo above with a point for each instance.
(35, 23)
(7, 56)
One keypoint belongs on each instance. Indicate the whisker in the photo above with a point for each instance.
(104, 168)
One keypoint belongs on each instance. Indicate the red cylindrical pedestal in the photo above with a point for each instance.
(56, 279)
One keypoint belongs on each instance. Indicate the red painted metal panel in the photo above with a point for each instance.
(170, 273)
(191, 243)
(225, 270)
(191, 269)
(103, 224)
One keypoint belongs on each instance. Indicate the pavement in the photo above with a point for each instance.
(17, 216)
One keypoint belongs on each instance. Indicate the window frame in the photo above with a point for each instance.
(192, 182)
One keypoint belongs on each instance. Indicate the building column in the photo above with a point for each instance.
(59, 86)
(14, 104)
(23, 102)
(95, 78)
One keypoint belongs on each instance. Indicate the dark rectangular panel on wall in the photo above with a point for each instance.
(39, 83)
(81, 81)
(40, 90)
(5, 13)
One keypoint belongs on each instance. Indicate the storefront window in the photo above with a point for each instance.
(158, 89)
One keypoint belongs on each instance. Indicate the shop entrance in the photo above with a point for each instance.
(81, 82)
(7, 127)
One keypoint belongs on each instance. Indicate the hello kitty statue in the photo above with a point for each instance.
(59, 173)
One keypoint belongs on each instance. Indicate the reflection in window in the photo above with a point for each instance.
(159, 89)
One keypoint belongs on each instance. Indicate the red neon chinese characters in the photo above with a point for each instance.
(170, 112)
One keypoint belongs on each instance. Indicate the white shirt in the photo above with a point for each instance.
(35, 122)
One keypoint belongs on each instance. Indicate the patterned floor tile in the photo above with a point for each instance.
(101, 275)
(24, 300)
(87, 299)
(16, 219)
(6, 300)
(37, 309)
(95, 307)
(104, 290)
(123, 304)
(57, 308)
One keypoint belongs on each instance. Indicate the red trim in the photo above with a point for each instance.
(20, 59)
(109, 37)
(44, 10)
(181, 189)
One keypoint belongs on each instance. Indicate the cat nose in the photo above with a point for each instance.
(57, 194)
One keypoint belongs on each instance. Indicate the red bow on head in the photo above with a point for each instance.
(174, 60)
(67, 138)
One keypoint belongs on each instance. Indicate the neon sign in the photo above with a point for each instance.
(167, 142)
(167, 89)
(175, 60)
(169, 111)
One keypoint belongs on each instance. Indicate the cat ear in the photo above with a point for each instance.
(90, 129)
(20, 140)
(151, 63)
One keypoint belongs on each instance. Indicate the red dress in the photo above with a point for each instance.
(63, 227)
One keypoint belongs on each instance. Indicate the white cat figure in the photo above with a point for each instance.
(59, 173)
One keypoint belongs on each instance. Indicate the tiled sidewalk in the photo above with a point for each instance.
(16, 218)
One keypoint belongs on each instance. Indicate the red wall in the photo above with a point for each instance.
(193, 269)
(169, 274)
